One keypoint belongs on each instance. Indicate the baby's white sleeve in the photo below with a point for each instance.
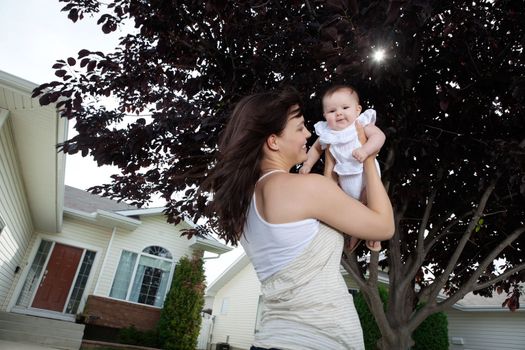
(367, 117)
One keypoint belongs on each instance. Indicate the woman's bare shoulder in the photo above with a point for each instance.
(301, 186)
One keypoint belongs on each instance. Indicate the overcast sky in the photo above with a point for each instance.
(36, 34)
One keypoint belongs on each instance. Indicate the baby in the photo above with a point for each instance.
(341, 110)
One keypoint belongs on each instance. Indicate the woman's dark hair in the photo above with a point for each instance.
(232, 180)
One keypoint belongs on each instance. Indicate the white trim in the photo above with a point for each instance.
(44, 269)
(79, 265)
(104, 262)
(104, 218)
(133, 275)
(142, 212)
(15, 83)
(479, 308)
(44, 313)
(4, 114)
(66, 241)
(209, 245)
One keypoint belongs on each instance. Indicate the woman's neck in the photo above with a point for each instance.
(268, 165)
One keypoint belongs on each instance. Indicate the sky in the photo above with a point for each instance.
(38, 34)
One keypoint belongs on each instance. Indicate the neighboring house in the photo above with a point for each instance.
(64, 251)
(475, 323)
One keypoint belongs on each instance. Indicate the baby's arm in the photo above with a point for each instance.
(376, 139)
(314, 153)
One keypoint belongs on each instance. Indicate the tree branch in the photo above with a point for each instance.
(442, 279)
(503, 276)
(416, 259)
(435, 236)
(471, 285)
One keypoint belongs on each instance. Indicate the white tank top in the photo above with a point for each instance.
(271, 247)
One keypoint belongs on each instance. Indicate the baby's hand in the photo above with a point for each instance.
(305, 169)
(359, 154)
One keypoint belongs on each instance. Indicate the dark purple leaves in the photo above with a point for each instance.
(446, 96)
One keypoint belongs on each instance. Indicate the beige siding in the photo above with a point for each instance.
(88, 236)
(238, 322)
(14, 210)
(487, 330)
(154, 230)
(13, 100)
(74, 233)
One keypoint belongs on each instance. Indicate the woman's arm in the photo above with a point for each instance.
(285, 198)
(375, 140)
(329, 164)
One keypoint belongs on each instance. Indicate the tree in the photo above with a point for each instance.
(449, 96)
(180, 318)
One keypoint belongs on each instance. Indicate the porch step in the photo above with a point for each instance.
(42, 331)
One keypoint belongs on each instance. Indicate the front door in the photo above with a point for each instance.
(57, 278)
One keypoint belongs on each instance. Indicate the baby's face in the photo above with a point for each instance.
(341, 109)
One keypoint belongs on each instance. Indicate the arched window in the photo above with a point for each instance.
(143, 278)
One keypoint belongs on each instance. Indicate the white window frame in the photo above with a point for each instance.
(225, 306)
(133, 275)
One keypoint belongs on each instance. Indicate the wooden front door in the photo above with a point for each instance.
(58, 278)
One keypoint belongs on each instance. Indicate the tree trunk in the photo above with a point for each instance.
(401, 341)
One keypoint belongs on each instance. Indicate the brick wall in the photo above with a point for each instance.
(113, 313)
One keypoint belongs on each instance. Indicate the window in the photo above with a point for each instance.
(353, 291)
(33, 276)
(80, 282)
(224, 306)
(143, 278)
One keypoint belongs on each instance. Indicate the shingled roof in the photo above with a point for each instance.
(81, 200)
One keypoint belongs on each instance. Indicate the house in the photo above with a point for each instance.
(65, 252)
(475, 323)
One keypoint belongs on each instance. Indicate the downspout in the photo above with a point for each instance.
(102, 269)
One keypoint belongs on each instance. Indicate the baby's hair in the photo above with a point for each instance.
(334, 88)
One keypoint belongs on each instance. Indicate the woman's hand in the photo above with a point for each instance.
(361, 135)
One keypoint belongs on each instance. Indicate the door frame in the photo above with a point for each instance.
(28, 260)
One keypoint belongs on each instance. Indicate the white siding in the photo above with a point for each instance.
(14, 209)
(487, 330)
(154, 230)
(84, 235)
(74, 233)
(238, 323)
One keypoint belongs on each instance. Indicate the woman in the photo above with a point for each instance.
(291, 225)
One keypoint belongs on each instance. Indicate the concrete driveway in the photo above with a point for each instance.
(9, 345)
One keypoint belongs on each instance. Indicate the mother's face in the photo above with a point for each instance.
(291, 141)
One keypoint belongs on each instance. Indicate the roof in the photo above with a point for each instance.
(77, 199)
(240, 263)
(109, 213)
(470, 302)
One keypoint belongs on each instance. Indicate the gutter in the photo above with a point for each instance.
(104, 218)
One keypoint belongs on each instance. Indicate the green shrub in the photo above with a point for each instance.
(371, 333)
(432, 334)
(132, 336)
(180, 318)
